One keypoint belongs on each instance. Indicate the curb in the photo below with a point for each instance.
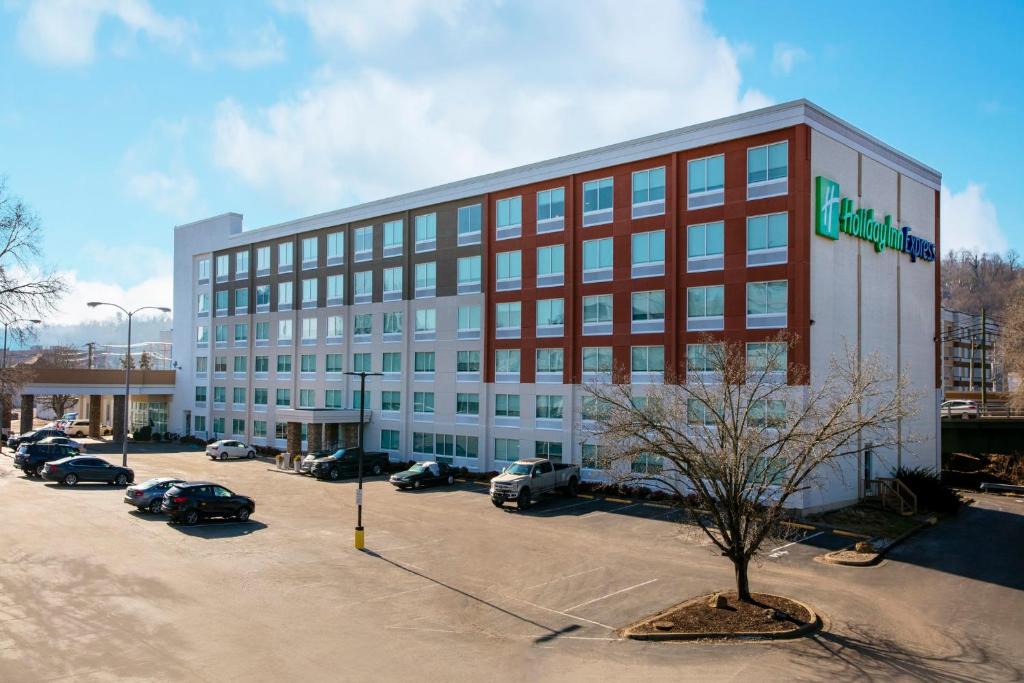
(812, 626)
(880, 555)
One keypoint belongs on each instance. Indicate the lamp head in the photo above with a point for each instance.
(94, 304)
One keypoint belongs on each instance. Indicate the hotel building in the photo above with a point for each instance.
(486, 303)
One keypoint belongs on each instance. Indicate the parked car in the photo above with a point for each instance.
(524, 480)
(189, 502)
(31, 457)
(424, 474)
(307, 462)
(70, 471)
(344, 462)
(149, 494)
(33, 436)
(77, 428)
(64, 441)
(960, 408)
(229, 448)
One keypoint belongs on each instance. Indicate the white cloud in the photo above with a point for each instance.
(260, 47)
(969, 221)
(156, 172)
(353, 136)
(63, 32)
(785, 57)
(170, 193)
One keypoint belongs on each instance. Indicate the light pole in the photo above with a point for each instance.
(5, 398)
(359, 491)
(127, 367)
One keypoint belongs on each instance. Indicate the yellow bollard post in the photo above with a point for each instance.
(359, 539)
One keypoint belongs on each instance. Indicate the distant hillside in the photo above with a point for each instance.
(114, 331)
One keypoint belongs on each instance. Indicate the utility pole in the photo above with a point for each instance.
(970, 367)
(984, 363)
(90, 346)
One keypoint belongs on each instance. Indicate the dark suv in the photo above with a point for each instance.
(32, 456)
(32, 437)
(191, 501)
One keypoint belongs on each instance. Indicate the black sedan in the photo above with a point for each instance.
(70, 471)
(424, 474)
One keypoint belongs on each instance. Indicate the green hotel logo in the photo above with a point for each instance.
(835, 214)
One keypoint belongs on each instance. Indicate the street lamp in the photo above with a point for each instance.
(127, 367)
(359, 491)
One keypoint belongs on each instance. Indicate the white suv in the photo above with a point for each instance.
(960, 408)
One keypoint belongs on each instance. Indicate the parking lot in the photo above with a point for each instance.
(449, 588)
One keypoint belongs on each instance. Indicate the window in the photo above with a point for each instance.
(221, 302)
(594, 457)
(648, 311)
(509, 217)
(769, 413)
(393, 238)
(309, 293)
(203, 269)
(391, 362)
(467, 361)
(263, 298)
(259, 396)
(335, 290)
(506, 450)
(335, 248)
(237, 426)
(200, 394)
(550, 317)
(333, 399)
(597, 201)
(333, 364)
(509, 270)
(284, 364)
(699, 413)
(389, 439)
(549, 407)
(285, 299)
(284, 331)
(262, 260)
(281, 430)
(551, 210)
(466, 446)
(424, 361)
(426, 323)
(597, 359)
(597, 314)
(469, 224)
(259, 429)
(469, 322)
(391, 401)
(202, 362)
(240, 364)
(426, 232)
(362, 286)
(767, 356)
(202, 334)
(335, 328)
(284, 257)
(767, 165)
(705, 307)
(241, 264)
(469, 274)
(261, 364)
(507, 319)
(363, 243)
(426, 279)
(307, 399)
(551, 266)
(648, 253)
(593, 408)
(506, 405)
(423, 402)
(218, 425)
(307, 363)
(220, 333)
(422, 443)
(649, 192)
(706, 177)
(200, 423)
(203, 303)
(309, 330)
(767, 238)
(550, 361)
(467, 404)
(552, 450)
(220, 395)
(262, 333)
(393, 283)
(767, 304)
(362, 362)
(705, 245)
(238, 396)
(392, 325)
(597, 260)
(309, 252)
(647, 360)
(646, 463)
(506, 362)
(223, 268)
(220, 365)
(283, 398)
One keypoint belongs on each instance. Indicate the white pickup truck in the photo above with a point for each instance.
(525, 480)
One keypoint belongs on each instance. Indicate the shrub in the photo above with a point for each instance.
(143, 433)
(931, 493)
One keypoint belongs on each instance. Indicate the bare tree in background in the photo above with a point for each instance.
(972, 280)
(736, 442)
(59, 357)
(1011, 341)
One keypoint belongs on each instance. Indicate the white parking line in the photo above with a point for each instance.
(564, 614)
(563, 578)
(801, 540)
(622, 590)
(571, 505)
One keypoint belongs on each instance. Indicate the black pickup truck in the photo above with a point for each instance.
(344, 462)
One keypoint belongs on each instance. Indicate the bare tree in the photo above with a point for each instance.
(59, 357)
(145, 361)
(1011, 340)
(26, 288)
(972, 280)
(736, 441)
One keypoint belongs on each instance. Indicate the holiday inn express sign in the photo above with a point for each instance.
(836, 214)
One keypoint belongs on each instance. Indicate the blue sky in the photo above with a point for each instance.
(122, 118)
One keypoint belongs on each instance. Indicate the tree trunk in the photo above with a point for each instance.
(742, 583)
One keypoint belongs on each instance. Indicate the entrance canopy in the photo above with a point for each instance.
(105, 382)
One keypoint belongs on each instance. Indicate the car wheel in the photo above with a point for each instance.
(376, 469)
(497, 503)
(223, 456)
(333, 474)
(122, 480)
(70, 479)
(451, 480)
(523, 501)
(36, 471)
(243, 514)
(154, 506)
(251, 454)
(573, 488)
(190, 517)
(417, 484)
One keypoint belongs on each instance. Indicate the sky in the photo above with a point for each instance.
(120, 119)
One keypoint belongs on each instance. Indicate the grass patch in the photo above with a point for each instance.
(869, 521)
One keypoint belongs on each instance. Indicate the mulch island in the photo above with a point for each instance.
(769, 616)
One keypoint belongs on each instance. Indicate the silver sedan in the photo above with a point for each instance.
(149, 494)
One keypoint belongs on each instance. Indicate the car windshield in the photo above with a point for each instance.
(417, 469)
(519, 468)
(149, 482)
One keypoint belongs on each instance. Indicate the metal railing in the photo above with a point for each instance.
(892, 492)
